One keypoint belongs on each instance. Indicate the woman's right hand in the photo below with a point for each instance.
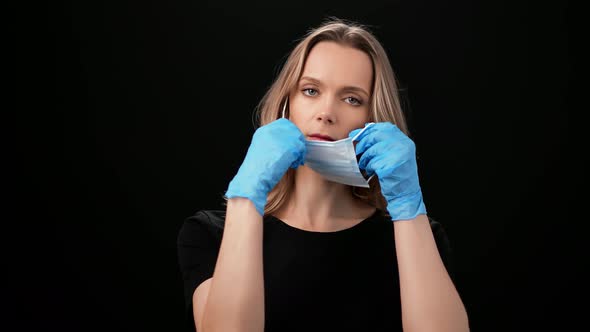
(274, 149)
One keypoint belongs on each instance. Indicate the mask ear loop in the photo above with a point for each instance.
(360, 132)
(285, 106)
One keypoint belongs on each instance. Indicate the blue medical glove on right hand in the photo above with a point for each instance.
(389, 153)
(274, 149)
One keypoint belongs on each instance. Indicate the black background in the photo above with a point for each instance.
(133, 116)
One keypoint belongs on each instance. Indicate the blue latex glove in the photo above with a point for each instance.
(274, 149)
(389, 153)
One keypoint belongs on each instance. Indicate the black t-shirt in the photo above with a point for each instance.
(313, 281)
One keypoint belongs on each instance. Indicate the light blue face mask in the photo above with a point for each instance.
(336, 161)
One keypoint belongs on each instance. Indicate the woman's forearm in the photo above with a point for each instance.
(430, 301)
(236, 297)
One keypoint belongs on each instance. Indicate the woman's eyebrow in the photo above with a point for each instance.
(346, 88)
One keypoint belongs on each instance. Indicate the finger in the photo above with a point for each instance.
(292, 130)
(369, 155)
(381, 156)
(301, 150)
(354, 132)
(364, 129)
(360, 147)
(384, 131)
(369, 137)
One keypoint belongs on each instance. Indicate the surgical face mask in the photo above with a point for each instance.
(336, 161)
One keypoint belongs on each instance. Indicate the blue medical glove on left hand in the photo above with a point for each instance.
(389, 153)
(275, 147)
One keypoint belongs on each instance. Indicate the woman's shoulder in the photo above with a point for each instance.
(202, 224)
(210, 218)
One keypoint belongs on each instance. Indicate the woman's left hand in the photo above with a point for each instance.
(389, 153)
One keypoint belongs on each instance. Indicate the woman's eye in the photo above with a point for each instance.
(353, 101)
(310, 92)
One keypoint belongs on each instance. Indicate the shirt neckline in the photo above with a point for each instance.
(342, 231)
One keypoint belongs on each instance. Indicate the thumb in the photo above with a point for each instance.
(354, 132)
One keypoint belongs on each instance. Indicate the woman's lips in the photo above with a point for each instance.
(313, 138)
(318, 137)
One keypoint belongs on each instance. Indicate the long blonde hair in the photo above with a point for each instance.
(384, 106)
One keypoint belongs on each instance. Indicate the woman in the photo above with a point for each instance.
(295, 251)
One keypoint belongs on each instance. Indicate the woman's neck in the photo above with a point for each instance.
(321, 205)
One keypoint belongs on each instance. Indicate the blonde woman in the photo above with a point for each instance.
(296, 250)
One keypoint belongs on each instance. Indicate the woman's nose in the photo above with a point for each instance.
(326, 117)
(326, 114)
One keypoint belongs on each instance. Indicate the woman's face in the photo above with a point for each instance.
(333, 93)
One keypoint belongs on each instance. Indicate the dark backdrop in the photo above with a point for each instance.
(134, 115)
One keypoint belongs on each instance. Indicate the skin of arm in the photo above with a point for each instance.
(429, 299)
(236, 297)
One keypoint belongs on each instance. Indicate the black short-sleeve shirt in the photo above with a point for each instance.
(313, 281)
